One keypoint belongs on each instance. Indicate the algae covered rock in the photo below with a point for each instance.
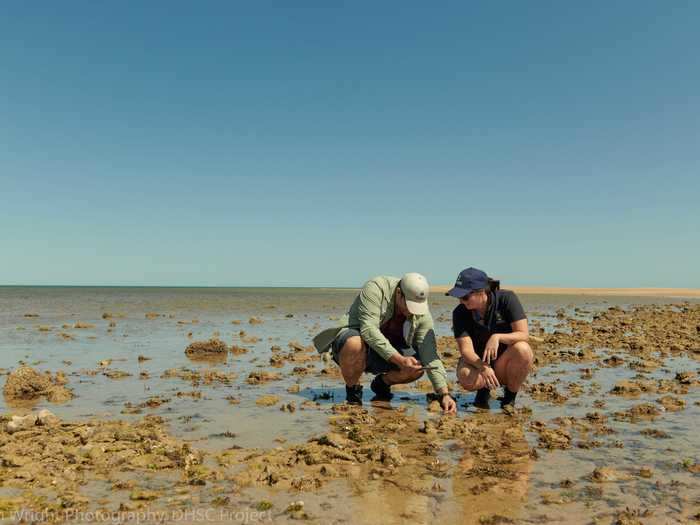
(25, 383)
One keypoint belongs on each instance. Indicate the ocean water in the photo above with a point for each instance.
(288, 314)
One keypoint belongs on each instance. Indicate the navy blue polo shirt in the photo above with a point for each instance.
(504, 308)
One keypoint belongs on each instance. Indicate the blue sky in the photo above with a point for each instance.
(231, 143)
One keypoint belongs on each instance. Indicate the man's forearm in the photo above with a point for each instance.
(396, 358)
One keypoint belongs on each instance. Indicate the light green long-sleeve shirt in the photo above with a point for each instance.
(373, 307)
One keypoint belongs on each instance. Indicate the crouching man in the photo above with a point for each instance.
(491, 330)
(388, 332)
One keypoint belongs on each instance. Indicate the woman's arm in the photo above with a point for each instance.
(466, 350)
(520, 333)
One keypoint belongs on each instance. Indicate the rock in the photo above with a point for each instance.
(428, 427)
(144, 495)
(434, 406)
(255, 378)
(605, 474)
(267, 401)
(26, 383)
(685, 378)
(554, 438)
(671, 404)
(332, 439)
(212, 346)
(237, 350)
(554, 498)
(116, 374)
(391, 455)
(60, 379)
(255, 320)
(294, 506)
(46, 418)
(655, 433)
(329, 471)
(18, 423)
(81, 325)
(626, 388)
(637, 412)
(646, 472)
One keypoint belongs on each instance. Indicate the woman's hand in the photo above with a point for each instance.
(489, 377)
(491, 349)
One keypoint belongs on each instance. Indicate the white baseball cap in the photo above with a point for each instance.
(415, 289)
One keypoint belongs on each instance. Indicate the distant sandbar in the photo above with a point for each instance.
(632, 292)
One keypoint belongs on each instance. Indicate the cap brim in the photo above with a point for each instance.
(458, 292)
(417, 308)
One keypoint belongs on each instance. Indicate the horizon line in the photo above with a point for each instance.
(659, 291)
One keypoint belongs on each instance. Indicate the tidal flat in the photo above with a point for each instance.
(210, 405)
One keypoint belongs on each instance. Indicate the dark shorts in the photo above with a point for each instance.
(375, 363)
(462, 363)
(502, 347)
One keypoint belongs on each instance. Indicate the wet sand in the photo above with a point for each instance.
(210, 406)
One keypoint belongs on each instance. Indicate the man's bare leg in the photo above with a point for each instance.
(352, 358)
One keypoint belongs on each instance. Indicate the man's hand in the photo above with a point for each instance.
(491, 350)
(489, 377)
(448, 404)
(405, 363)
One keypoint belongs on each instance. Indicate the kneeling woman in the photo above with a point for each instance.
(491, 330)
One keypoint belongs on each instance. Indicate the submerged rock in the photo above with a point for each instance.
(603, 474)
(255, 378)
(267, 401)
(671, 404)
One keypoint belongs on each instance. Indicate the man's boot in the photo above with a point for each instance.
(381, 390)
(353, 395)
(482, 398)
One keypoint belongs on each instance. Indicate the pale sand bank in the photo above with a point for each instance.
(632, 292)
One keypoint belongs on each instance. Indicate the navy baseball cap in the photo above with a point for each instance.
(468, 281)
